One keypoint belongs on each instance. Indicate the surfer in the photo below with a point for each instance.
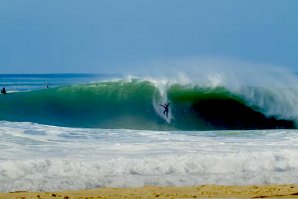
(166, 107)
(3, 91)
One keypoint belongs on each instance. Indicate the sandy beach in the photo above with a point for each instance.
(203, 191)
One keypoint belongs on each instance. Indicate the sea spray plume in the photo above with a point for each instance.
(273, 92)
(202, 70)
(160, 97)
(267, 88)
(160, 94)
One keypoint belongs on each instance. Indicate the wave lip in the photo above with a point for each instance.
(135, 104)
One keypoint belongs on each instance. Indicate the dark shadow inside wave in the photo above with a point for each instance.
(231, 114)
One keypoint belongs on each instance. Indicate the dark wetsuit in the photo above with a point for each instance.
(166, 107)
(3, 91)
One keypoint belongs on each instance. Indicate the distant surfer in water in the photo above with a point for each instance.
(3, 91)
(166, 107)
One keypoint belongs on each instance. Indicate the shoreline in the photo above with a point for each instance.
(202, 191)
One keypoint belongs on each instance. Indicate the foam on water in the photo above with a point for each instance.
(38, 157)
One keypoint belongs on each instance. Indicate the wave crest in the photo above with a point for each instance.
(134, 104)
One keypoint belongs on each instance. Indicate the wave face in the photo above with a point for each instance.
(135, 105)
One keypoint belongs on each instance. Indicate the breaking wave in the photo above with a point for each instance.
(134, 104)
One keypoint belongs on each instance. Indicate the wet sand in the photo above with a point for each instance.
(204, 191)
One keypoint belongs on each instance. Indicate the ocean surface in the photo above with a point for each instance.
(88, 131)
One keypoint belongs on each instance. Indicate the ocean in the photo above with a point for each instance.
(86, 131)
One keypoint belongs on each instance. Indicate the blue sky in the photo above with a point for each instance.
(100, 36)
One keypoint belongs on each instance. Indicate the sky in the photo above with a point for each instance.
(111, 36)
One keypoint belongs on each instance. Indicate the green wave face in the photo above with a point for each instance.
(135, 105)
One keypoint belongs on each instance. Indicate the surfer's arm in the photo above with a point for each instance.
(162, 105)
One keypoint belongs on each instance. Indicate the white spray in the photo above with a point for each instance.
(272, 89)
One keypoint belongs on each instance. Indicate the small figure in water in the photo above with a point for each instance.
(166, 107)
(3, 91)
(48, 86)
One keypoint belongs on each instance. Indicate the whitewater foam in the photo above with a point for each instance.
(42, 158)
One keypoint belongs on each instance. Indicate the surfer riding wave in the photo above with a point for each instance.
(166, 107)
